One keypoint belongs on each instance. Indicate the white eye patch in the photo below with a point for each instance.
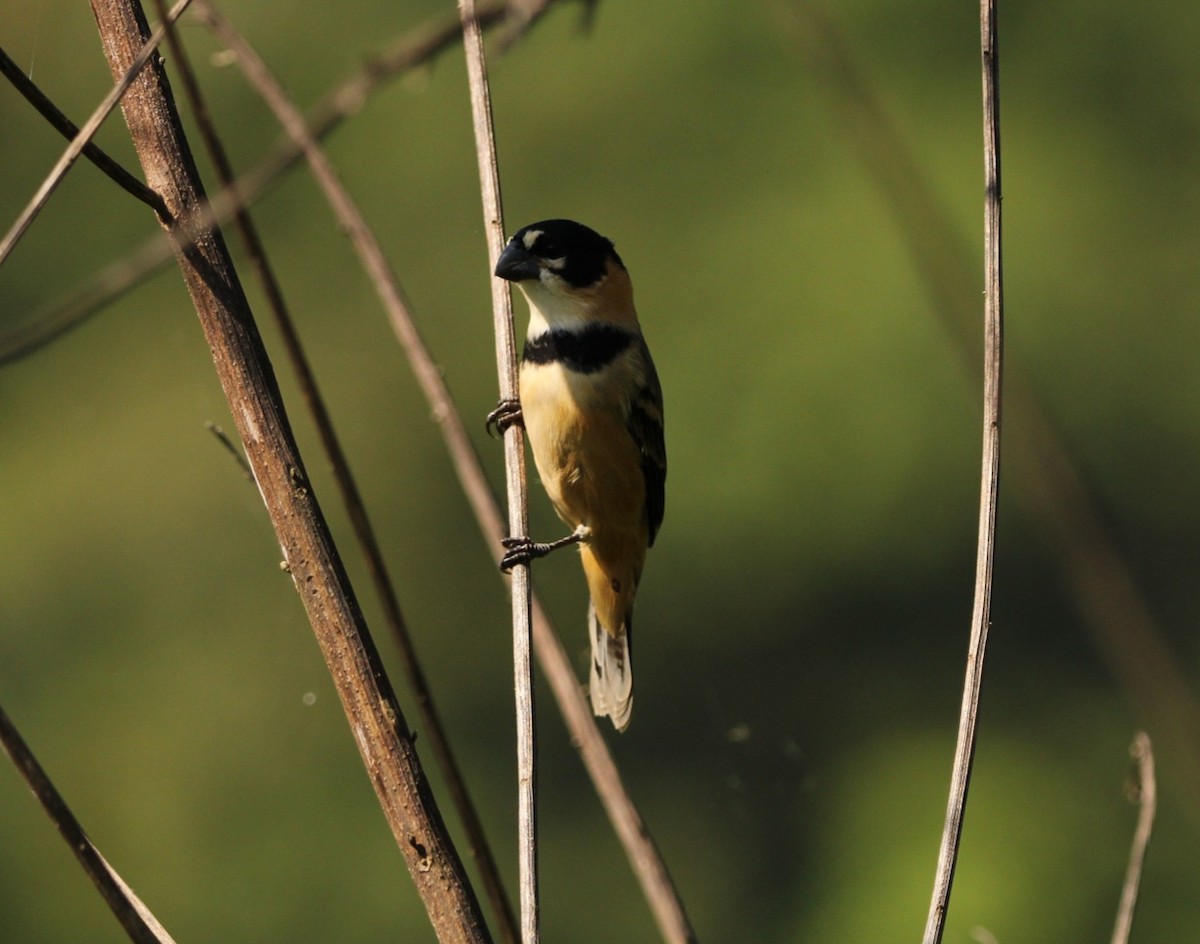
(530, 238)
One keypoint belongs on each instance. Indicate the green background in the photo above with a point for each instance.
(803, 617)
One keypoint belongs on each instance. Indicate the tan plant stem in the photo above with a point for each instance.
(514, 469)
(993, 334)
(137, 920)
(1146, 790)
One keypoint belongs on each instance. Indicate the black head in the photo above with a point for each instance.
(573, 252)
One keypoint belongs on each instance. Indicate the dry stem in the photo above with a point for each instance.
(141, 926)
(1147, 797)
(639, 846)
(514, 468)
(990, 484)
(644, 857)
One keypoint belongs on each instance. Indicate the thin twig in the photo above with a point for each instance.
(260, 77)
(993, 330)
(379, 729)
(1146, 790)
(523, 14)
(141, 926)
(514, 469)
(80, 141)
(223, 438)
(68, 129)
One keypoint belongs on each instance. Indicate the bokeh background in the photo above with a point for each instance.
(804, 615)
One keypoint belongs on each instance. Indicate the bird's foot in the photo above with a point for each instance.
(507, 413)
(522, 550)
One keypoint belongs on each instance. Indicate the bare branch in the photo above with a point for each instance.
(993, 331)
(64, 164)
(68, 129)
(514, 469)
(523, 14)
(141, 926)
(1146, 794)
(379, 729)
(223, 438)
(261, 79)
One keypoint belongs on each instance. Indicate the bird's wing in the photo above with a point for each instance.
(646, 427)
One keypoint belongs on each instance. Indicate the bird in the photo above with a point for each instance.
(591, 404)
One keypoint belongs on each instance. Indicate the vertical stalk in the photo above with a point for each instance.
(514, 468)
(993, 332)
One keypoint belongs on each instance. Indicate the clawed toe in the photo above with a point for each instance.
(521, 550)
(507, 413)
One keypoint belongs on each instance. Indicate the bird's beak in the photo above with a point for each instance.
(516, 264)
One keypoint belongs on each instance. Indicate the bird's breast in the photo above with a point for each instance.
(578, 432)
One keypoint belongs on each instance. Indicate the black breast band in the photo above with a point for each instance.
(586, 351)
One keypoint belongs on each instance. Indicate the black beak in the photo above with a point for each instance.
(516, 264)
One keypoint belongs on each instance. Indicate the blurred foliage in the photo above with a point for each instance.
(804, 614)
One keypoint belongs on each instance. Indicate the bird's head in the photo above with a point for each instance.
(570, 274)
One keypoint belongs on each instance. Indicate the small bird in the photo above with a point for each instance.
(591, 404)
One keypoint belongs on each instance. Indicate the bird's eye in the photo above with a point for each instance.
(549, 249)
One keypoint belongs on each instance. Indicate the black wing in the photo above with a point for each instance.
(646, 426)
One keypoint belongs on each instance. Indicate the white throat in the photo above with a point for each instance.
(550, 311)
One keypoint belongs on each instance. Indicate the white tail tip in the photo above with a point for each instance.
(611, 685)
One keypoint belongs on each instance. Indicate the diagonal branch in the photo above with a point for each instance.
(141, 926)
(514, 472)
(248, 381)
(993, 333)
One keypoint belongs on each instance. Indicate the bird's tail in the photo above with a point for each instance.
(611, 686)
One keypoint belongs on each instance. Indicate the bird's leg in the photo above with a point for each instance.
(507, 413)
(523, 550)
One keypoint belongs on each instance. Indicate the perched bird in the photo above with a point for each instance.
(592, 407)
